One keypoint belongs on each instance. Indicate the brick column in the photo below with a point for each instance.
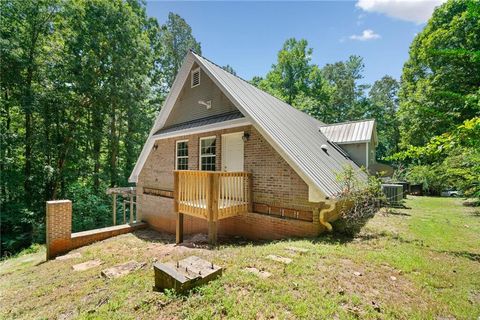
(58, 227)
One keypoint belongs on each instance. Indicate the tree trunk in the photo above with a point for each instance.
(113, 146)
(97, 126)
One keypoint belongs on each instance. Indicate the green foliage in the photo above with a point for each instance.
(448, 160)
(81, 82)
(229, 69)
(176, 39)
(90, 209)
(441, 79)
(294, 76)
(363, 199)
(384, 105)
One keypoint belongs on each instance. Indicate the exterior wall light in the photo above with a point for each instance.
(155, 146)
(246, 136)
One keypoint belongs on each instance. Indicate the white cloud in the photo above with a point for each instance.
(366, 35)
(417, 11)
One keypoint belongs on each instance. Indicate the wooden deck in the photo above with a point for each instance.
(211, 195)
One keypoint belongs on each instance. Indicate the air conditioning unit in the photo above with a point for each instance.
(393, 193)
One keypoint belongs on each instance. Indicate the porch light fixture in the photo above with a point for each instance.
(155, 146)
(246, 136)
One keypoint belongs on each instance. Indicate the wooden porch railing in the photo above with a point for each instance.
(211, 195)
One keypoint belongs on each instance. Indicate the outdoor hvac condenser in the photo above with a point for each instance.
(393, 193)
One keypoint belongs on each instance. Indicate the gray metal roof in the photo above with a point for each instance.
(202, 122)
(295, 133)
(349, 132)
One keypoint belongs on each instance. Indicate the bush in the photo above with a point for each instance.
(364, 197)
(90, 210)
(430, 177)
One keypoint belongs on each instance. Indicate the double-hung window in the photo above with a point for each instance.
(208, 153)
(181, 161)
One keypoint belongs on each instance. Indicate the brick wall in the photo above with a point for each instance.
(159, 214)
(58, 227)
(59, 230)
(275, 184)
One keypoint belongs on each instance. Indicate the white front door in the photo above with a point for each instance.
(232, 152)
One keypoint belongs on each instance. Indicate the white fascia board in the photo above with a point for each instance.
(202, 129)
(352, 142)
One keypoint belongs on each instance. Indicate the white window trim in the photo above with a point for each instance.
(176, 153)
(191, 77)
(200, 156)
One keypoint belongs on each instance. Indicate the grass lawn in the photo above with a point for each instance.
(416, 263)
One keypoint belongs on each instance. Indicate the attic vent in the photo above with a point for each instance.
(195, 77)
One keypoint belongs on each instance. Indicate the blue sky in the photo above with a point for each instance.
(248, 35)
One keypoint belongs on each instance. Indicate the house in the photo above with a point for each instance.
(357, 138)
(226, 157)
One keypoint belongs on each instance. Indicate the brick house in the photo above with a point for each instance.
(225, 157)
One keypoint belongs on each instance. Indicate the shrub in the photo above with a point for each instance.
(363, 196)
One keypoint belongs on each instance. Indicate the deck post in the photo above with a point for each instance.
(114, 209)
(250, 192)
(179, 229)
(175, 191)
(124, 211)
(131, 208)
(212, 202)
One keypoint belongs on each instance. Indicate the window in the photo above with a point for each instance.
(208, 153)
(195, 77)
(182, 155)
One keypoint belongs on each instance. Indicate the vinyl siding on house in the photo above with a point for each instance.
(187, 108)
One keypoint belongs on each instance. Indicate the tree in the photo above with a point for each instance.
(441, 79)
(80, 85)
(177, 39)
(229, 69)
(347, 97)
(384, 104)
(295, 79)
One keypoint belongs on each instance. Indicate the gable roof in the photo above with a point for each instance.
(293, 134)
(349, 132)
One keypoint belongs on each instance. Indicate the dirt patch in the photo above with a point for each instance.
(374, 285)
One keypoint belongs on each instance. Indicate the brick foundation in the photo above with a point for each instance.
(159, 214)
(59, 230)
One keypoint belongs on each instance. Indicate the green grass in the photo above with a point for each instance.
(416, 263)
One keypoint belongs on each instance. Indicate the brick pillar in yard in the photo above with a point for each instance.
(58, 227)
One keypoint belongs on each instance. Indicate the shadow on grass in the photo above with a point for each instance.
(397, 213)
(462, 254)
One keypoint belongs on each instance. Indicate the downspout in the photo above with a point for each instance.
(323, 213)
(326, 224)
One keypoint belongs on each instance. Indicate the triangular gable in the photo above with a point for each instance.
(293, 134)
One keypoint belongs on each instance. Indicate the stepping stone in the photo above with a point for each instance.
(258, 273)
(121, 270)
(296, 249)
(87, 265)
(69, 256)
(279, 259)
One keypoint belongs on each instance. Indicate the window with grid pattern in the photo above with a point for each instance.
(208, 153)
(182, 155)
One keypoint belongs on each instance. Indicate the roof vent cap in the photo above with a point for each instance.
(324, 147)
